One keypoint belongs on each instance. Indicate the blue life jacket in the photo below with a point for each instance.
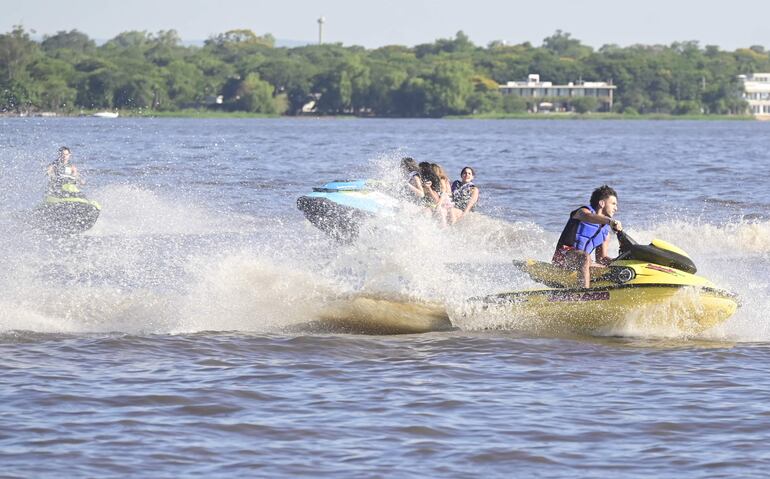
(581, 235)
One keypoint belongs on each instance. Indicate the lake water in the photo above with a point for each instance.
(169, 340)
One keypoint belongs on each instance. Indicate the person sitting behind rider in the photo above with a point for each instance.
(431, 184)
(63, 176)
(465, 195)
(411, 173)
(444, 191)
(588, 231)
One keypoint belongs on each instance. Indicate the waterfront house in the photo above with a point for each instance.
(756, 92)
(545, 96)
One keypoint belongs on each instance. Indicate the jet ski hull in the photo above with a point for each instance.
(338, 221)
(686, 309)
(371, 315)
(648, 286)
(66, 216)
(338, 208)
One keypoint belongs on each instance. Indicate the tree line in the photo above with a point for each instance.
(241, 71)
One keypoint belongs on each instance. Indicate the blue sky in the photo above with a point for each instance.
(736, 24)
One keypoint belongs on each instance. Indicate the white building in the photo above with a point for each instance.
(756, 92)
(561, 94)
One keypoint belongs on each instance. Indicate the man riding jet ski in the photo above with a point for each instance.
(654, 284)
(65, 209)
(588, 231)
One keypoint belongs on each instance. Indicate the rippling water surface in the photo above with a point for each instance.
(171, 339)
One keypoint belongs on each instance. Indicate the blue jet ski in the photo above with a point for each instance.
(338, 208)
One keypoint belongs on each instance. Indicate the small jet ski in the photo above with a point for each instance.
(65, 215)
(338, 208)
(651, 285)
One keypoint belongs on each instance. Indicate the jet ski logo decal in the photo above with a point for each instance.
(561, 296)
(663, 269)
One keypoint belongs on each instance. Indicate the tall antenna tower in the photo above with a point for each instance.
(321, 22)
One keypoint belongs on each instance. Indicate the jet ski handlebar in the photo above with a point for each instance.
(654, 254)
(626, 242)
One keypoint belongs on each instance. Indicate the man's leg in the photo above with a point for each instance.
(584, 269)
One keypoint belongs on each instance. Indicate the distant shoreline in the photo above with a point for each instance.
(604, 116)
(487, 116)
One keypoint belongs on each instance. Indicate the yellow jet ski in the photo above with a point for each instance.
(66, 215)
(653, 286)
(65, 210)
(381, 315)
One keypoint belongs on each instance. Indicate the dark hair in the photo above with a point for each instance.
(467, 168)
(408, 164)
(601, 193)
(62, 149)
(424, 168)
(427, 174)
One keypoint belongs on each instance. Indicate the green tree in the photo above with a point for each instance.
(449, 89)
(514, 104)
(17, 96)
(290, 76)
(584, 104)
(336, 91)
(241, 37)
(687, 107)
(17, 50)
(56, 79)
(360, 82)
(56, 95)
(386, 79)
(137, 69)
(750, 61)
(563, 45)
(138, 92)
(237, 46)
(185, 84)
(95, 89)
(485, 97)
(250, 94)
(164, 48)
(131, 40)
(411, 98)
(459, 44)
(18, 90)
(73, 40)
(214, 70)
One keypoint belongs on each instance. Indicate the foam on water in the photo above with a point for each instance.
(249, 291)
(159, 263)
(734, 256)
(416, 259)
(133, 211)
